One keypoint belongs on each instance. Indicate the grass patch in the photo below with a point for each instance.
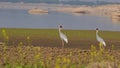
(53, 33)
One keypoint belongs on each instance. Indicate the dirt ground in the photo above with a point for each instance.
(82, 44)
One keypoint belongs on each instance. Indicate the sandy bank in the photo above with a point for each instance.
(112, 11)
(103, 10)
(81, 10)
(115, 17)
(37, 11)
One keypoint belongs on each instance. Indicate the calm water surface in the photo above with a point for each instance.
(12, 18)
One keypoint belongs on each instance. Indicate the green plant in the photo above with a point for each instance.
(5, 36)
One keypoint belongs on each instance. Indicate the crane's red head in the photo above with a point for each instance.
(96, 28)
(60, 26)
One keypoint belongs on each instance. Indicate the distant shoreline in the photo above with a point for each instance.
(22, 5)
(110, 10)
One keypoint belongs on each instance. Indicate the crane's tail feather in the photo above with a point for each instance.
(104, 43)
(66, 40)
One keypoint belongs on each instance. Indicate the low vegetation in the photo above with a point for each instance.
(52, 57)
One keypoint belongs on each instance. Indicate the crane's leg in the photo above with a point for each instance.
(62, 44)
(101, 47)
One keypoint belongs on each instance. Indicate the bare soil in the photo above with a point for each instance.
(82, 44)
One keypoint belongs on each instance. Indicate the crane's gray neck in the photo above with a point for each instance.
(96, 33)
(59, 30)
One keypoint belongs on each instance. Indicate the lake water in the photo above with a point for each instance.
(12, 18)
